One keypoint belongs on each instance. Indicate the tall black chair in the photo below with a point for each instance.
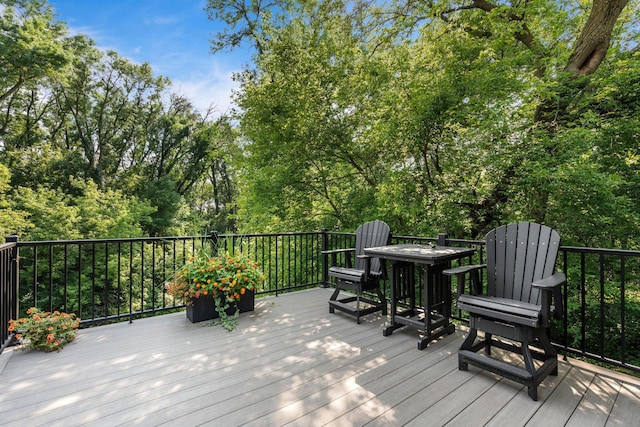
(360, 274)
(517, 305)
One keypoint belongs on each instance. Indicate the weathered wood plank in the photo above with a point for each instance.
(596, 405)
(626, 410)
(559, 406)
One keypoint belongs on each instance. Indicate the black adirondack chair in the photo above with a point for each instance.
(360, 274)
(517, 305)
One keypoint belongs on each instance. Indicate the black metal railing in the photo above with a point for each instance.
(121, 279)
(111, 279)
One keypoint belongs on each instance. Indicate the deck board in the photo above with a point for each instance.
(292, 363)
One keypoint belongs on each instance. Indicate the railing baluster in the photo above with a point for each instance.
(131, 282)
(583, 303)
(106, 280)
(50, 278)
(602, 305)
(118, 283)
(623, 317)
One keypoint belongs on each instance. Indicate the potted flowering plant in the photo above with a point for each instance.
(44, 331)
(220, 286)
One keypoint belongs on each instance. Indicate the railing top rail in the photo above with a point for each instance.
(290, 233)
(153, 239)
(113, 240)
(604, 251)
(7, 245)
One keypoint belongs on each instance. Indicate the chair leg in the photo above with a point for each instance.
(487, 343)
(532, 385)
(467, 344)
(549, 352)
(334, 297)
(528, 358)
(533, 392)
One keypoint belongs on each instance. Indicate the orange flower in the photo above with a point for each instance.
(11, 327)
(50, 338)
(242, 290)
(18, 336)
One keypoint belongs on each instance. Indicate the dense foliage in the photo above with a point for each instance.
(435, 117)
(440, 116)
(92, 145)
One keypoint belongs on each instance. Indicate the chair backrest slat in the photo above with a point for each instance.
(517, 255)
(368, 235)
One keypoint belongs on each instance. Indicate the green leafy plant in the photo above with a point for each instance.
(225, 278)
(45, 331)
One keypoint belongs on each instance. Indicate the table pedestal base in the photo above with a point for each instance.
(414, 318)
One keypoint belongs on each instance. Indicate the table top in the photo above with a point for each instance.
(421, 254)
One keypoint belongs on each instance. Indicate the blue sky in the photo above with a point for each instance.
(171, 35)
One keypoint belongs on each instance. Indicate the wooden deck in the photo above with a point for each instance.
(289, 363)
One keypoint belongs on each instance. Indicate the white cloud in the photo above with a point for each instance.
(211, 86)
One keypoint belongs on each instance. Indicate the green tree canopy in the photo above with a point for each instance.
(441, 116)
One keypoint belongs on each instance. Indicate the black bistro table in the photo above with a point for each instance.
(435, 319)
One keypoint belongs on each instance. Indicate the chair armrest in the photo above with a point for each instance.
(475, 286)
(334, 255)
(337, 251)
(552, 287)
(550, 282)
(462, 269)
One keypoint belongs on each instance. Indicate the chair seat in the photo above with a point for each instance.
(503, 309)
(350, 274)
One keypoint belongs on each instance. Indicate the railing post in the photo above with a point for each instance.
(325, 258)
(443, 239)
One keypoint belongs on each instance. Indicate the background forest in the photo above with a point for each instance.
(437, 116)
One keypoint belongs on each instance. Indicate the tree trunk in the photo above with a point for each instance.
(589, 52)
(593, 42)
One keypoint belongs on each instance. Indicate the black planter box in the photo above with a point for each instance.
(203, 308)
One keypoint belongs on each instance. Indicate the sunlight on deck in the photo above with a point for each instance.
(289, 361)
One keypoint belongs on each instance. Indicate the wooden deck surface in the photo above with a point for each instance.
(290, 362)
